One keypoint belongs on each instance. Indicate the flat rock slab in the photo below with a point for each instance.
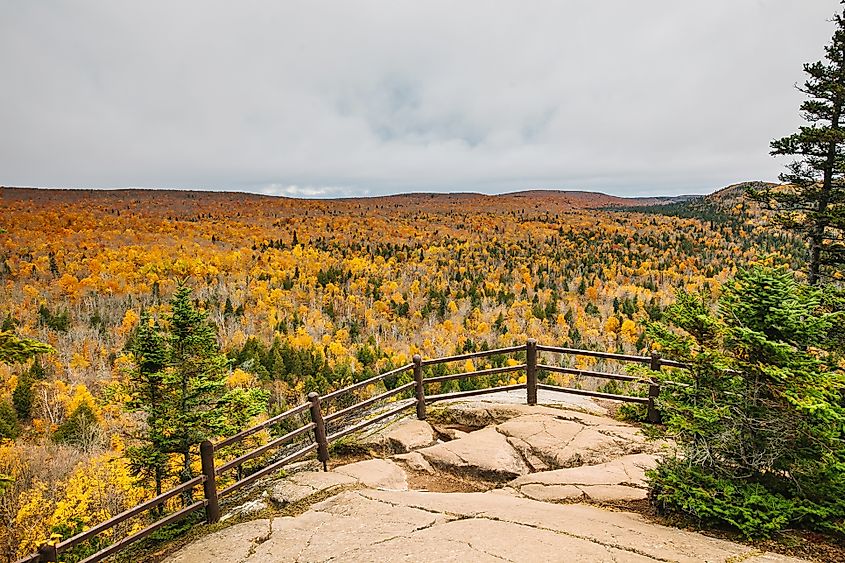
(544, 397)
(370, 515)
(415, 461)
(366, 525)
(409, 434)
(478, 414)
(231, 544)
(485, 453)
(638, 539)
(622, 479)
(553, 442)
(376, 473)
(481, 540)
(300, 486)
(343, 524)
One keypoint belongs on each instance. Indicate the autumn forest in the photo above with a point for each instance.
(311, 295)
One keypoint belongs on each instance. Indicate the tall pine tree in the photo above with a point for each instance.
(179, 382)
(195, 379)
(813, 203)
(147, 391)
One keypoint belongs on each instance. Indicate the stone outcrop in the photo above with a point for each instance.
(554, 461)
(485, 453)
(367, 525)
(622, 479)
(301, 486)
(409, 435)
(415, 462)
(376, 474)
(552, 442)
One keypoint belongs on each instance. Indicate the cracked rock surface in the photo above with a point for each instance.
(485, 453)
(401, 436)
(376, 474)
(550, 456)
(368, 525)
(300, 486)
(620, 479)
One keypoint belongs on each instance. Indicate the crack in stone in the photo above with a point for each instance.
(398, 536)
(574, 419)
(449, 515)
(577, 536)
(495, 519)
(482, 515)
(311, 537)
(629, 484)
(551, 460)
(478, 549)
(522, 455)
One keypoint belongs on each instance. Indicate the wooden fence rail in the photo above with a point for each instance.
(322, 439)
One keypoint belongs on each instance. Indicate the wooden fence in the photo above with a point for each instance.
(318, 408)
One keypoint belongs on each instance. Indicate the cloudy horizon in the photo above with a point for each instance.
(337, 99)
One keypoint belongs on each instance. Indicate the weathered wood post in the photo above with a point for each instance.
(47, 552)
(653, 390)
(319, 430)
(209, 486)
(531, 371)
(419, 387)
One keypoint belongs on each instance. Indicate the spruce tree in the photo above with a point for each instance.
(146, 391)
(9, 428)
(22, 397)
(195, 380)
(758, 417)
(812, 204)
(179, 381)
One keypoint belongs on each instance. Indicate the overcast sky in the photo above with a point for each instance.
(314, 98)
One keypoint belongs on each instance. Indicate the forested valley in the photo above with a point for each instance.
(306, 295)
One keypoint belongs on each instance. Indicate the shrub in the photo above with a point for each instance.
(758, 417)
(9, 427)
(80, 429)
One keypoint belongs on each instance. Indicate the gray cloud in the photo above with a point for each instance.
(322, 99)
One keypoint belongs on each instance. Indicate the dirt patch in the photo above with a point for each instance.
(447, 432)
(441, 482)
(346, 458)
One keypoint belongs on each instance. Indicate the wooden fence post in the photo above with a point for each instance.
(419, 387)
(47, 552)
(209, 487)
(653, 390)
(319, 430)
(531, 371)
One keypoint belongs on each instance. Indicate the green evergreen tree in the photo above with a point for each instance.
(759, 415)
(9, 324)
(148, 346)
(194, 404)
(17, 349)
(9, 427)
(813, 203)
(37, 371)
(22, 397)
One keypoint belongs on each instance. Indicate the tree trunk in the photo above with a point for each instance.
(821, 222)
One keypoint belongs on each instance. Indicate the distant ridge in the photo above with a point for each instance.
(535, 200)
(574, 198)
